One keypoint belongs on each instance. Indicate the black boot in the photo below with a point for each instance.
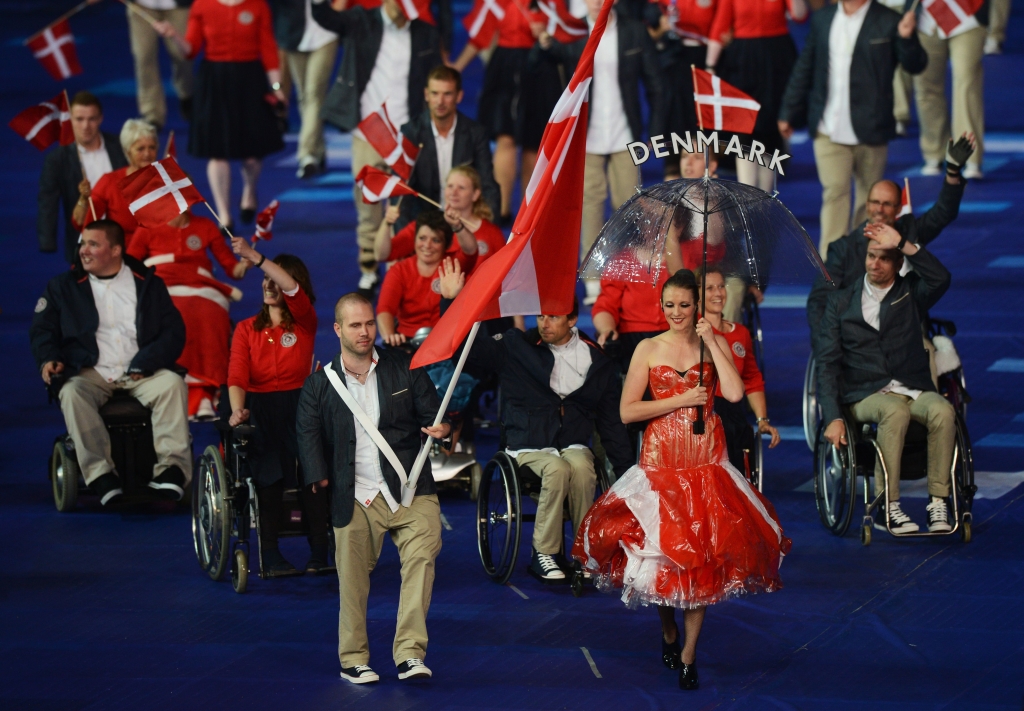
(670, 653)
(271, 506)
(688, 680)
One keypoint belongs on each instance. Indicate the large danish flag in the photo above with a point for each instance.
(953, 16)
(44, 124)
(54, 47)
(394, 147)
(159, 192)
(721, 106)
(378, 185)
(535, 273)
(482, 21)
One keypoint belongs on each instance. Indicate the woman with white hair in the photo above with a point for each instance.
(138, 141)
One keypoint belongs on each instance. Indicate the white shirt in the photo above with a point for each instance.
(314, 36)
(444, 145)
(157, 4)
(116, 337)
(95, 164)
(389, 80)
(836, 122)
(369, 477)
(608, 131)
(871, 299)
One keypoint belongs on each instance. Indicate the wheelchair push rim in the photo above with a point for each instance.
(211, 515)
(810, 404)
(835, 479)
(499, 522)
(63, 477)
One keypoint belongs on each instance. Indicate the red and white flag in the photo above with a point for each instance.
(54, 47)
(172, 149)
(265, 222)
(44, 124)
(905, 207)
(953, 17)
(562, 26)
(535, 273)
(394, 147)
(721, 106)
(159, 192)
(378, 185)
(482, 21)
(417, 10)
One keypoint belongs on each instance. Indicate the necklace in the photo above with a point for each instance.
(352, 372)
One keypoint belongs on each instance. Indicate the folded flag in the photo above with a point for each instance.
(394, 147)
(54, 47)
(46, 123)
(159, 192)
(378, 185)
(721, 106)
(265, 222)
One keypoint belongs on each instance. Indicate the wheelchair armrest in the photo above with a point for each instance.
(243, 430)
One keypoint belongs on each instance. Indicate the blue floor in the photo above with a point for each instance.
(110, 611)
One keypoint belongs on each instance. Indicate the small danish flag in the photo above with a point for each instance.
(721, 106)
(953, 17)
(562, 26)
(378, 185)
(905, 207)
(482, 21)
(159, 192)
(397, 150)
(44, 124)
(417, 10)
(172, 149)
(54, 47)
(265, 222)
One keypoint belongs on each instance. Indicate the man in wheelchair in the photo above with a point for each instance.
(871, 359)
(556, 386)
(109, 324)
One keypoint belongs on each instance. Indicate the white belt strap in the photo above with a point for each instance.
(366, 423)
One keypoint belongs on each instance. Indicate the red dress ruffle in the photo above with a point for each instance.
(683, 528)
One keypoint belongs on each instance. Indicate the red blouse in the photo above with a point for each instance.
(184, 245)
(691, 15)
(635, 307)
(749, 19)
(239, 33)
(272, 359)
(414, 300)
(108, 200)
(742, 347)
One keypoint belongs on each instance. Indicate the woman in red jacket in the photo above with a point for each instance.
(179, 250)
(626, 313)
(271, 356)
(237, 90)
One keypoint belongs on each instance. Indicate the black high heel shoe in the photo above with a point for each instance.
(671, 654)
(688, 680)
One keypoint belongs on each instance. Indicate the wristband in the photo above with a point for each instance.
(763, 419)
(263, 258)
(902, 244)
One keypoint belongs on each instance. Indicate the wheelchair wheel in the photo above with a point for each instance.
(835, 479)
(810, 403)
(965, 531)
(240, 571)
(605, 475)
(756, 464)
(476, 473)
(211, 515)
(963, 471)
(865, 534)
(752, 317)
(499, 523)
(576, 582)
(63, 477)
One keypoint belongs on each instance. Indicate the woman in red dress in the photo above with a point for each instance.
(683, 528)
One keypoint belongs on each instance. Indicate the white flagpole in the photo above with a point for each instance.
(414, 475)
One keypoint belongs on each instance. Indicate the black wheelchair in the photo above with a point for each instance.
(225, 508)
(130, 428)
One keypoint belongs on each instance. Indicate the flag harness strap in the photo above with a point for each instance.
(367, 424)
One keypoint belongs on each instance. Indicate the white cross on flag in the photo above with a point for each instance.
(721, 106)
(536, 272)
(562, 26)
(44, 124)
(394, 147)
(159, 192)
(417, 10)
(265, 222)
(54, 47)
(953, 17)
(378, 185)
(482, 21)
(905, 207)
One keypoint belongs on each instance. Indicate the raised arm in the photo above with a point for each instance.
(278, 275)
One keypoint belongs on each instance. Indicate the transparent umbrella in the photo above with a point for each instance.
(694, 223)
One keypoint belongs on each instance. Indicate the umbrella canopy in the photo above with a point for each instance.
(750, 234)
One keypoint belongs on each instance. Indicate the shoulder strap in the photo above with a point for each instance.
(366, 423)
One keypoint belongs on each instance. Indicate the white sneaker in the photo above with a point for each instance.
(899, 522)
(544, 567)
(973, 172)
(992, 46)
(359, 674)
(367, 280)
(414, 669)
(938, 517)
(931, 167)
(901, 128)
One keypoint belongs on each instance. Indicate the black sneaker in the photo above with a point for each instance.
(318, 562)
(938, 516)
(899, 522)
(169, 484)
(359, 674)
(544, 567)
(276, 565)
(108, 488)
(414, 669)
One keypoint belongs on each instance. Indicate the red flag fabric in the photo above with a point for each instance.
(905, 207)
(265, 222)
(953, 16)
(721, 106)
(562, 26)
(536, 271)
(482, 21)
(44, 124)
(172, 149)
(55, 50)
(378, 185)
(397, 150)
(417, 10)
(420, 7)
(159, 192)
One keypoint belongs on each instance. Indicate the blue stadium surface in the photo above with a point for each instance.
(111, 611)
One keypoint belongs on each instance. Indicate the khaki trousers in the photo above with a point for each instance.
(164, 393)
(902, 94)
(893, 414)
(416, 533)
(838, 164)
(569, 473)
(145, 44)
(311, 73)
(735, 292)
(964, 52)
(998, 16)
(613, 173)
(368, 216)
